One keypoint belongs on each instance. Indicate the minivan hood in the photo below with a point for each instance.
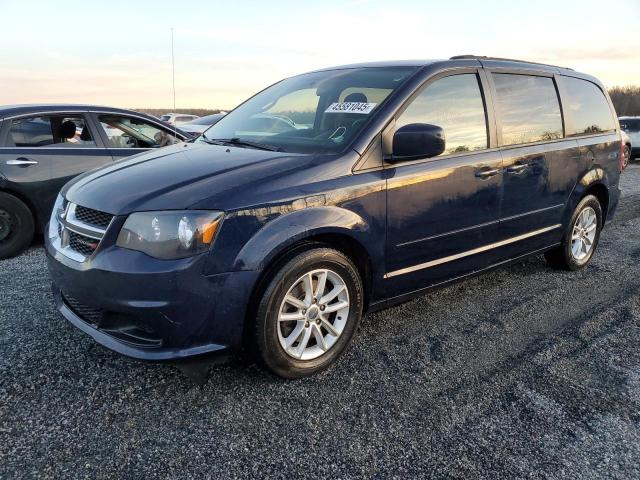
(174, 177)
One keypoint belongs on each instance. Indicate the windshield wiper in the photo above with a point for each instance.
(242, 143)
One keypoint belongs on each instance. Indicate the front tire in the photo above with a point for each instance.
(16, 226)
(308, 313)
(581, 238)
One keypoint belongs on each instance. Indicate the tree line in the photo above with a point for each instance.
(626, 100)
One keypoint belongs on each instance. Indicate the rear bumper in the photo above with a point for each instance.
(150, 309)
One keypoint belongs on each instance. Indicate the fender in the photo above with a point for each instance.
(279, 234)
(595, 176)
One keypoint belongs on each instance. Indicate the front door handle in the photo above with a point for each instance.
(484, 174)
(21, 162)
(517, 168)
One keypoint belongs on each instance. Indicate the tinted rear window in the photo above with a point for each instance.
(53, 130)
(529, 108)
(630, 125)
(588, 107)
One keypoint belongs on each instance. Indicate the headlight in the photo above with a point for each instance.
(170, 235)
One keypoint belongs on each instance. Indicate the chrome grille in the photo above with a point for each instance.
(82, 244)
(93, 217)
(80, 231)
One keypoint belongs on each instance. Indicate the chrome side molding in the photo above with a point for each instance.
(458, 256)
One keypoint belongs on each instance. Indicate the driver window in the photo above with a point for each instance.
(130, 132)
(455, 104)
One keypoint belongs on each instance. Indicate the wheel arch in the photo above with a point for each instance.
(348, 236)
(601, 192)
(594, 182)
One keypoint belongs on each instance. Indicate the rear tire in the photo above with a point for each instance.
(16, 226)
(626, 155)
(302, 325)
(581, 238)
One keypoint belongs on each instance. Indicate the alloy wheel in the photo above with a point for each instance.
(313, 314)
(626, 155)
(584, 234)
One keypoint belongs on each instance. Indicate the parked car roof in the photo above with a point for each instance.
(207, 120)
(12, 110)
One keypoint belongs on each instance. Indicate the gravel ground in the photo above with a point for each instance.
(523, 372)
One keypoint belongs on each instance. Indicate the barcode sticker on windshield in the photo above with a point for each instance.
(351, 107)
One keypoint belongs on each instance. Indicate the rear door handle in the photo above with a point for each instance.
(517, 168)
(21, 162)
(484, 174)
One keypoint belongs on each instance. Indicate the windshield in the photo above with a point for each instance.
(318, 112)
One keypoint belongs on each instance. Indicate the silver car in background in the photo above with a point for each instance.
(178, 118)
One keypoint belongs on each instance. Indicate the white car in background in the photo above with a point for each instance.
(631, 126)
(178, 118)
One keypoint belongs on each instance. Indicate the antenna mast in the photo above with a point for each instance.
(173, 72)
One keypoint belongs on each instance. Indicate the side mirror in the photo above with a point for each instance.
(417, 140)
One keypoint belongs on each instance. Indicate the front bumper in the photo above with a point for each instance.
(151, 309)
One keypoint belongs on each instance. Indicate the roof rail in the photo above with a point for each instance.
(483, 57)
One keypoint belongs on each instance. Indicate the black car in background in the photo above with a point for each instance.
(42, 147)
(199, 125)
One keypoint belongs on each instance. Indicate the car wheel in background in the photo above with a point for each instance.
(16, 226)
(308, 313)
(626, 153)
(581, 238)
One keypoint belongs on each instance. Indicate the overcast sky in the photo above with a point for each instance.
(118, 53)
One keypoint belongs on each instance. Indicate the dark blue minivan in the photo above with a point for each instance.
(330, 194)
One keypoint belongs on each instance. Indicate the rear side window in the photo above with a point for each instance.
(50, 131)
(588, 107)
(455, 104)
(528, 107)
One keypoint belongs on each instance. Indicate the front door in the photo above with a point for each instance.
(127, 135)
(443, 213)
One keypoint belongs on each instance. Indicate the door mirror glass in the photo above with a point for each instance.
(418, 140)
